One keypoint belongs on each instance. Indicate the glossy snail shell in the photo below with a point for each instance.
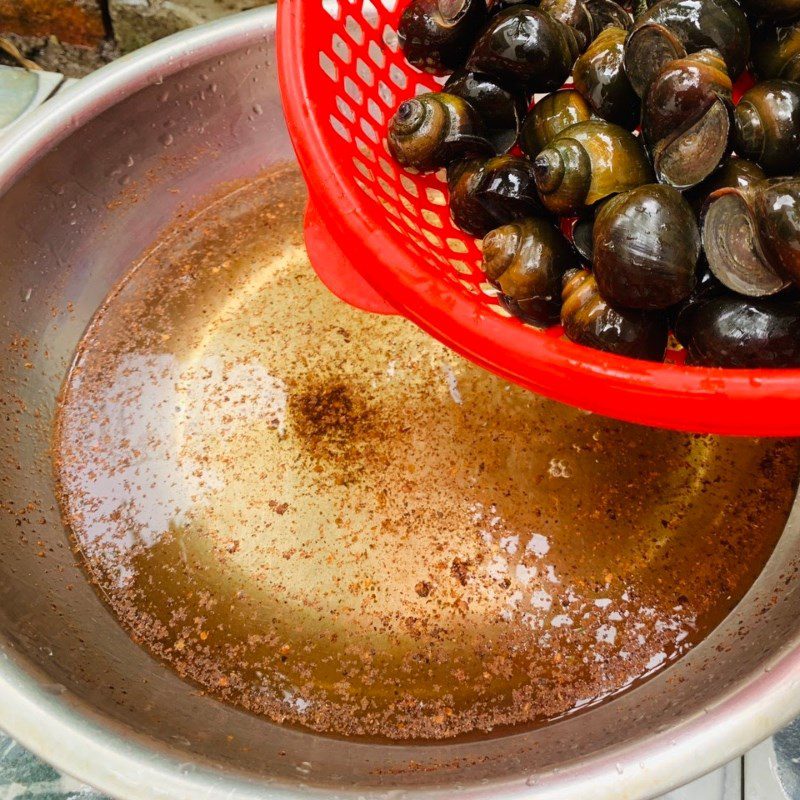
(776, 52)
(774, 10)
(589, 320)
(551, 115)
(436, 35)
(587, 163)
(599, 75)
(575, 14)
(734, 173)
(741, 332)
(608, 14)
(433, 130)
(526, 260)
(646, 248)
(526, 45)
(672, 28)
(686, 118)
(486, 195)
(767, 126)
(500, 108)
(467, 211)
(752, 236)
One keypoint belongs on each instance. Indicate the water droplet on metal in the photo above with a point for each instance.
(129, 162)
(620, 769)
(167, 139)
(257, 109)
(532, 781)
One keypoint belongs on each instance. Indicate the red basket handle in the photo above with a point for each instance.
(336, 271)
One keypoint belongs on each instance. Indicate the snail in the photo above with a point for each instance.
(646, 248)
(551, 115)
(588, 162)
(686, 118)
(587, 17)
(767, 126)
(486, 195)
(672, 28)
(497, 6)
(528, 46)
(501, 109)
(526, 260)
(774, 10)
(467, 211)
(752, 236)
(707, 286)
(436, 35)
(776, 52)
(433, 130)
(599, 75)
(741, 332)
(583, 235)
(575, 14)
(608, 14)
(734, 173)
(589, 320)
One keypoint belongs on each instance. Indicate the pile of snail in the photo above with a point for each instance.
(682, 209)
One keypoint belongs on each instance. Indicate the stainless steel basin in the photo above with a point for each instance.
(86, 184)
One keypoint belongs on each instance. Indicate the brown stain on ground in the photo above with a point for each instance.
(77, 22)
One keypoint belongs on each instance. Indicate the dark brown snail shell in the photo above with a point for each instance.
(551, 115)
(686, 118)
(673, 28)
(599, 75)
(526, 261)
(526, 45)
(707, 286)
(501, 109)
(587, 163)
(433, 130)
(497, 6)
(589, 320)
(575, 14)
(646, 248)
(583, 235)
(608, 14)
(741, 333)
(776, 52)
(735, 173)
(767, 126)
(437, 35)
(507, 188)
(774, 10)
(486, 195)
(467, 211)
(752, 236)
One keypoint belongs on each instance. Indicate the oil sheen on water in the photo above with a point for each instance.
(326, 518)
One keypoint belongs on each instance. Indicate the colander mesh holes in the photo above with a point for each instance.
(369, 77)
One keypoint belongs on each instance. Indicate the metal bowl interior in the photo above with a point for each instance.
(85, 186)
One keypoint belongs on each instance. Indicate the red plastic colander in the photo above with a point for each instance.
(382, 240)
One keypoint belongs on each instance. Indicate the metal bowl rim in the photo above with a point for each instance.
(78, 741)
